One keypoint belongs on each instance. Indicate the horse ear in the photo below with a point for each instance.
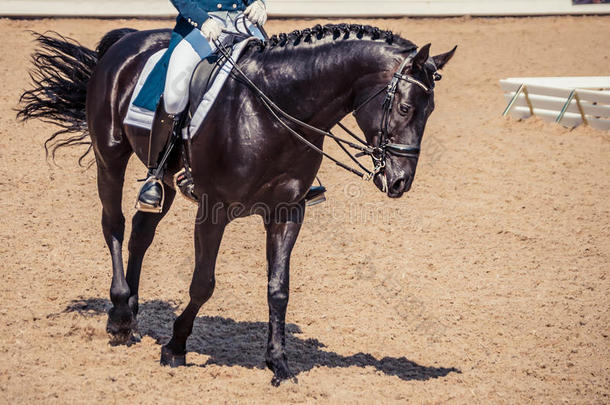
(422, 56)
(442, 59)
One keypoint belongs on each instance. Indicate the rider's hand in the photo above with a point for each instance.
(257, 13)
(211, 29)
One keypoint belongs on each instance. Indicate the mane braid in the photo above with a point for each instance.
(338, 32)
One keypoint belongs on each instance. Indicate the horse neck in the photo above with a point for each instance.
(318, 84)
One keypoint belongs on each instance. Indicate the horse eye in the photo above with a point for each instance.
(404, 109)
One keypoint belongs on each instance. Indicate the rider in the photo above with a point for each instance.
(199, 24)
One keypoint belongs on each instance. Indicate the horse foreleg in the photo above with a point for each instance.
(282, 234)
(143, 229)
(208, 235)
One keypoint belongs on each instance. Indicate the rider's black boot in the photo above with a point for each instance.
(151, 195)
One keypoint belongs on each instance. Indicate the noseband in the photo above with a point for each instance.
(378, 152)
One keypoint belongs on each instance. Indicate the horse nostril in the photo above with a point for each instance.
(398, 186)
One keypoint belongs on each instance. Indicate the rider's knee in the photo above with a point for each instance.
(175, 100)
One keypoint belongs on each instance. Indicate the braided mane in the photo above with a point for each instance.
(338, 31)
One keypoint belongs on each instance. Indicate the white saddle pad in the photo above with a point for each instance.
(143, 118)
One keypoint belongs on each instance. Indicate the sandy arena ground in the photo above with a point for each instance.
(487, 283)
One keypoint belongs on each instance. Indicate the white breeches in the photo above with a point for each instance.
(192, 50)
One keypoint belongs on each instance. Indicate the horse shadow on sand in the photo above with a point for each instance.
(231, 343)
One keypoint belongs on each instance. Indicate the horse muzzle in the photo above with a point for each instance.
(394, 187)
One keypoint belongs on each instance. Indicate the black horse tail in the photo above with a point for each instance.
(62, 69)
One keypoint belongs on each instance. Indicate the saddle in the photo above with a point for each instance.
(203, 77)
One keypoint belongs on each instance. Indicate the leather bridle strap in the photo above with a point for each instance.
(399, 149)
(365, 102)
(416, 82)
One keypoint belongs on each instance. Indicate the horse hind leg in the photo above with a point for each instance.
(111, 168)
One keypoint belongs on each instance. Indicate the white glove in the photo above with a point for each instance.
(211, 29)
(257, 13)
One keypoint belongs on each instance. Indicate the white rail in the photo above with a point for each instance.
(569, 101)
(306, 8)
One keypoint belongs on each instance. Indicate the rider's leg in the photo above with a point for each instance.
(150, 197)
(185, 57)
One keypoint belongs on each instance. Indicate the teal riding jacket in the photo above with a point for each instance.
(196, 11)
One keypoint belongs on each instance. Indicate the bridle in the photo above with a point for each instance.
(379, 152)
(385, 147)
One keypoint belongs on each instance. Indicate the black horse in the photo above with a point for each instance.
(242, 156)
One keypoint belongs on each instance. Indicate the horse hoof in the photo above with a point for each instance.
(120, 326)
(118, 335)
(277, 380)
(136, 336)
(119, 339)
(281, 371)
(168, 358)
(122, 335)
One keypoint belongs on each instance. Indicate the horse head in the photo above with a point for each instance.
(394, 118)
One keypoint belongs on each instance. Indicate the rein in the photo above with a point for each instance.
(378, 153)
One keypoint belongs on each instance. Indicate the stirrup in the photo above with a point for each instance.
(184, 183)
(143, 206)
(315, 196)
